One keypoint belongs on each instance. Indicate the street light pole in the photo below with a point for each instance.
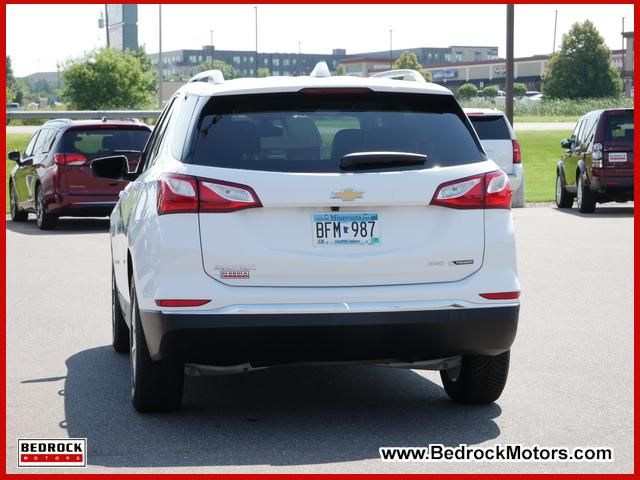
(623, 55)
(509, 80)
(256, 69)
(106, 24)
(555, 28)
(160, 56)
(391, 49)
(211, 45)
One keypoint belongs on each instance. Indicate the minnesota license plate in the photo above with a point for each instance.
(346, 229)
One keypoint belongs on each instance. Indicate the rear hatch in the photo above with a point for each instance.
(326, 219)
(495, 136)
(616, 132)
(80, 145)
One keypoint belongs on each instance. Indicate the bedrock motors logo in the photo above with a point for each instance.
(52, 452)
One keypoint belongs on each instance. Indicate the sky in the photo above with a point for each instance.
(59, 32)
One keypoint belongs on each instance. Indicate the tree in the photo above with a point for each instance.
(227, 70)
(339, 71)
(407, 60)
(106, 79)
(519, 90)
(582, 68)
(263, 72)
(467, 91)
(426, 74)
(490, 92)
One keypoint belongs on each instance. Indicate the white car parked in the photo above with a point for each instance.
(499, 142)
(318, 219)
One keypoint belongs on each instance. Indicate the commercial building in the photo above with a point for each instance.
(182, 64)
(122, 26)
(627, 63)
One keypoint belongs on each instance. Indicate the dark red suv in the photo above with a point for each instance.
(52, 178)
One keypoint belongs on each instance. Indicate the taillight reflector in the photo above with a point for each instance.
(186, 194)
(501, 295)
(180, 302)
(69, 159)
(517, 154)
(487, 190)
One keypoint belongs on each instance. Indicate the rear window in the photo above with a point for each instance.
(298, 132)
(103, 141)
(618, 128)
(490, 128)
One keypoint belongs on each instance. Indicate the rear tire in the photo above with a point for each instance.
(479, 379)
(119, 329)
(156, 386)
(45, 220)
(563, 198)
(586, 199)
(17, 215)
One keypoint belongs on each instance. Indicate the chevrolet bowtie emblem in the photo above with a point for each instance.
(347, 195)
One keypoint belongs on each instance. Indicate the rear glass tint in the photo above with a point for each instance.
(618, 128)
(490, 128)
(103, 141)
(297, 132)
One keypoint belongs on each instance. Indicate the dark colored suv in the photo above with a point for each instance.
(597, 166)
(52, 177)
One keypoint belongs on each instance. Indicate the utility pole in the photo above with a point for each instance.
(509, 79)
(256, 69)
(624, 81)
(160, 56)
(555, 28)
(106, 24)
(211, 45)
(391, 49)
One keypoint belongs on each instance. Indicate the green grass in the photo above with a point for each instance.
(14, 142)
(547, 118)
(540, 153)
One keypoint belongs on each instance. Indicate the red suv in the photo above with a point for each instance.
(597, 165)
(52, 178)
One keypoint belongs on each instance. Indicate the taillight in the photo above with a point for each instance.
(597, 156)
(177, 194)
(488, 190)
(517, 155)
(69, 159)
(217, 196)
(186, 194)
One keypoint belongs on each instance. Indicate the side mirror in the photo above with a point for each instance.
(113, 168)
(565, 143)
(14, 156)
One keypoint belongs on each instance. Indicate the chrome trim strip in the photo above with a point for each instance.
(307, 308)
(93, 203)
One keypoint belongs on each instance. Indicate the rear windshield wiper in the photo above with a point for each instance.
(377, 160)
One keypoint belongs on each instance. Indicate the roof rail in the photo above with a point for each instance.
(401, 74)
(65, 120)
(212, 76)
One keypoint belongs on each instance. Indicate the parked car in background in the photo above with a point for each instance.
(499, 141)
(312, 219)
(52, 177)
(597, 165)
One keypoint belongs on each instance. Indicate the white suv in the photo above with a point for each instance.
(501, 145)
(305, 220)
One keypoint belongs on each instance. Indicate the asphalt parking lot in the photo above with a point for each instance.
(570, 385)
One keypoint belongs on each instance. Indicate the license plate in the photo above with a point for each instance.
(617, 157)
(346, 229)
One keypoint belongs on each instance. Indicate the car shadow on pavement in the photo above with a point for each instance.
(64, 226)
(282, 416)
(601, 212)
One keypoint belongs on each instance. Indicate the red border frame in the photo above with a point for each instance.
(3, 349)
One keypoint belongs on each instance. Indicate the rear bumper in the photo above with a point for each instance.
(83, 205)
(612, 182)
(226, 339)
